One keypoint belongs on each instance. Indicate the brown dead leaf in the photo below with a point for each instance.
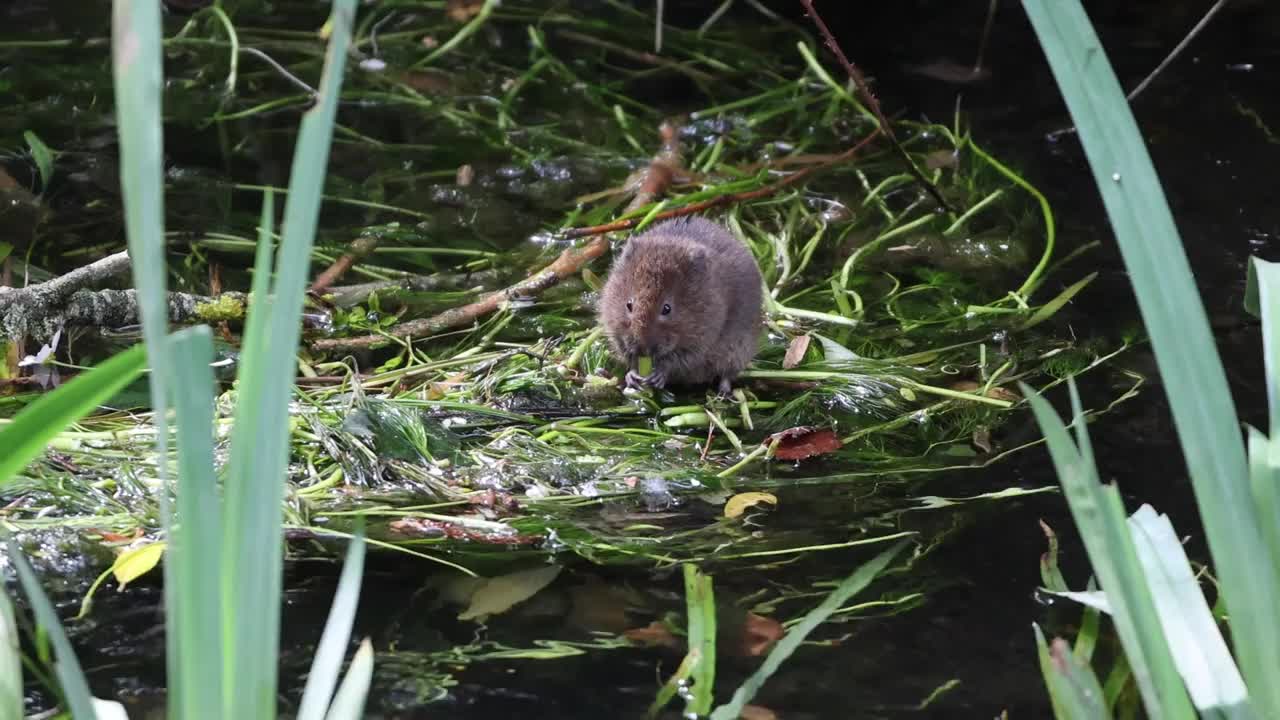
(428, 82)
(757, 712)
(799, 443)
(7, 182)
(795, 351)
(463, 10)
(465, 175)
(655, 634)
(759, 633)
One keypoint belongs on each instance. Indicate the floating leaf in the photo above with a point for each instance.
(495, 596)
(799, 443)
(834, 353)
(796, 350)
(136, 562)
(739, 503)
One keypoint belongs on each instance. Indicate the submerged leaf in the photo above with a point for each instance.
(495, 596)
(739, 503)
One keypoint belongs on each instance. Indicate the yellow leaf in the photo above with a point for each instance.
(739, 503)
(133, 564)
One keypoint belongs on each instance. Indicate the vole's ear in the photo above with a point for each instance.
(698, 261)
(623, 251)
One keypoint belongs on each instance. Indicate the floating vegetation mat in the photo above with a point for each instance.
(455, 390)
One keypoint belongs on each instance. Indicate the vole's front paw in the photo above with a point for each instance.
(724, 389)
(656, 379)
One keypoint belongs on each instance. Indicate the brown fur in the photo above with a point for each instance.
(713, 286)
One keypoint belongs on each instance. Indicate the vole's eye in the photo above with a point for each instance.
(666, 309)
(628, 306)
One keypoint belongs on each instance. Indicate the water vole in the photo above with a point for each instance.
(687, 294)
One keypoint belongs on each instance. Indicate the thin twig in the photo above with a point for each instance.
(360, 247)
(872, 103)
(1177, 50)
(569, 263)
(1168, 60)
(652, 182)
(729, 199)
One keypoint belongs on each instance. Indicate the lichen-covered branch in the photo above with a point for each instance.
(54, 291)
(113, 308)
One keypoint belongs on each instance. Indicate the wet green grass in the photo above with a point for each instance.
(498, 443)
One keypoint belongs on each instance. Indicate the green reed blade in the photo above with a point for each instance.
(74, 686)
(849, 587)
(1204, 414)
(195, 549)
(252, 563)
(1099, 516)
(327, 662)
(25, 438)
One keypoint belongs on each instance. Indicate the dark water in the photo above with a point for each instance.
(1218, 169)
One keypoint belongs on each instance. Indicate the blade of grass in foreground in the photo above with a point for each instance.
(195, 552)
(1099, 516)
(327, 662)
(252, 565)
(1073, 687)
(26, 437)
(348, 703)
(137, 70)
(1204, 414)
(67, 667)
(851, 586)
(1202, 657)
(701, 602)
(10, 663)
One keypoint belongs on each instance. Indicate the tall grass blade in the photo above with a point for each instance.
(10, 663)
(70, 677)
(1204, 414)
(348, 703)
(195, 535)
(1073, 688)
(327, 662)
(252, 565)
(849, 587)
(1099, 515)
(137, 67)
(701, 603)
(31, 430)
(1263, 299)
(1202, 657)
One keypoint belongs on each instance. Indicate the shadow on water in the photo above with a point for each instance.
(974, 625)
